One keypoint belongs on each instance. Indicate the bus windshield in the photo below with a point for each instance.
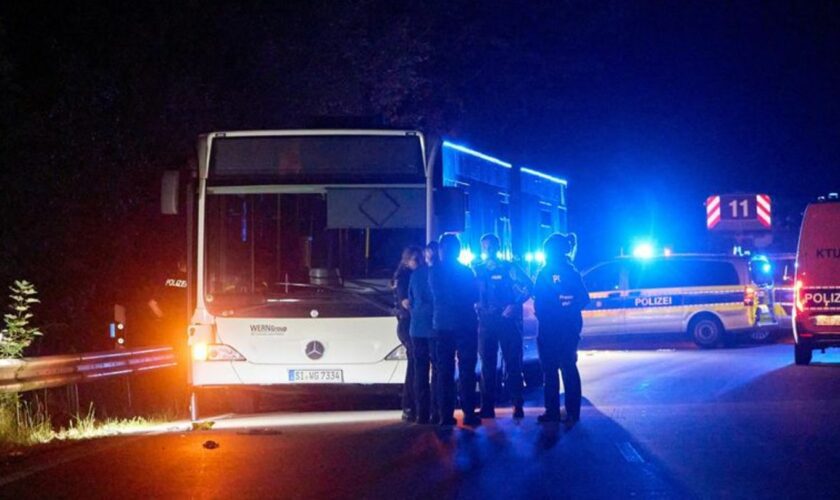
(317, 159)
(262, 249)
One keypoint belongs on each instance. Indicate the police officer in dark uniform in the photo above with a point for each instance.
(454, 293)
(503, 287)
(162, 315)
(559, 297)
(411, 258)
(422, 339)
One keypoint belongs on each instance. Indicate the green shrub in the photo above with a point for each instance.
(18, 333)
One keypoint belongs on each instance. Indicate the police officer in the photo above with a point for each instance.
(422, 338)
(559, 297)
(411, 258)
(503, 287)
(454, 293)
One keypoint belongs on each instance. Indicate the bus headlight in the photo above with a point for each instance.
(398, 354)
(216, 352)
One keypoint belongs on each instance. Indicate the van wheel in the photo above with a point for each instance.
(706, 331)
(802, 354)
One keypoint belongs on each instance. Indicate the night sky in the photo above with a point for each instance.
(645, 107)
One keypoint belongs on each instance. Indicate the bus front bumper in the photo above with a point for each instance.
(222, 373)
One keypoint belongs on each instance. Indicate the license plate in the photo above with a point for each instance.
(316, 376)
(825, 320)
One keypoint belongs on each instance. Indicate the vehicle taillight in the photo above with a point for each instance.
(749, 296)
(797, 299)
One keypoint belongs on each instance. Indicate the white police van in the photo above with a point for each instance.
(816, 315)
(711, 297)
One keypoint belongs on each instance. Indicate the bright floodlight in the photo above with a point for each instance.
(667, 252)
(529, 257)
(540, 257)
(643, 251)
(466, 257)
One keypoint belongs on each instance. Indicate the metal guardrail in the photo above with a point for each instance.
(19, 375)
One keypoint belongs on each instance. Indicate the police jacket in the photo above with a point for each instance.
(559, 297)
(455, 293)
(400, 286)
(421, 303)
(501, 284)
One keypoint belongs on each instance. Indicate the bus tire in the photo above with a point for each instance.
(802, 354)
(706, 331)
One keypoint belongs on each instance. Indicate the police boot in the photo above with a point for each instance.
(549, 417)
(487, 413)
(409, 416)
(472, 420)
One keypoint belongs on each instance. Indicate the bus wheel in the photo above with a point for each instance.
(802, 354)
(706, 331)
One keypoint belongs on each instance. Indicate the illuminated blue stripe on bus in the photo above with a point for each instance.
(477, 154)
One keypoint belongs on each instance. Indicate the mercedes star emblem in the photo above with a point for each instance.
(314, 350)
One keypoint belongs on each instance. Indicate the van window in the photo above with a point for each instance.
(682, 273)
(783, 271)
(819, 246)
(604, 278)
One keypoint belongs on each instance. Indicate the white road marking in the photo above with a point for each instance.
(629, 453)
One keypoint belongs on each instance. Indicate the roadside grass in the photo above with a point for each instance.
(24, 424)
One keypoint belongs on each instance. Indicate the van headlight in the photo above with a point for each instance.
(398, 354)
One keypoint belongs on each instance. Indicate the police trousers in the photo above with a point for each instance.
(558, 351)
(425, 377)
(505, 334)
(408, 399)
(464, 345)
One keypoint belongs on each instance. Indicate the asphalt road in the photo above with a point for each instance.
(674, 423)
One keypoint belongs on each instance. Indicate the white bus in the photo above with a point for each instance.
(295, 235)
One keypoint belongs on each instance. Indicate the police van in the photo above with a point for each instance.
(710, 297)
(816, 315)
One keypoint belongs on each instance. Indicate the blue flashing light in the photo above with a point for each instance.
(477, 154)
(667, 252)
(529, 257)
(643, 251)
(764, 264)
(537, 173)
(466, 257)
(540, 257)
